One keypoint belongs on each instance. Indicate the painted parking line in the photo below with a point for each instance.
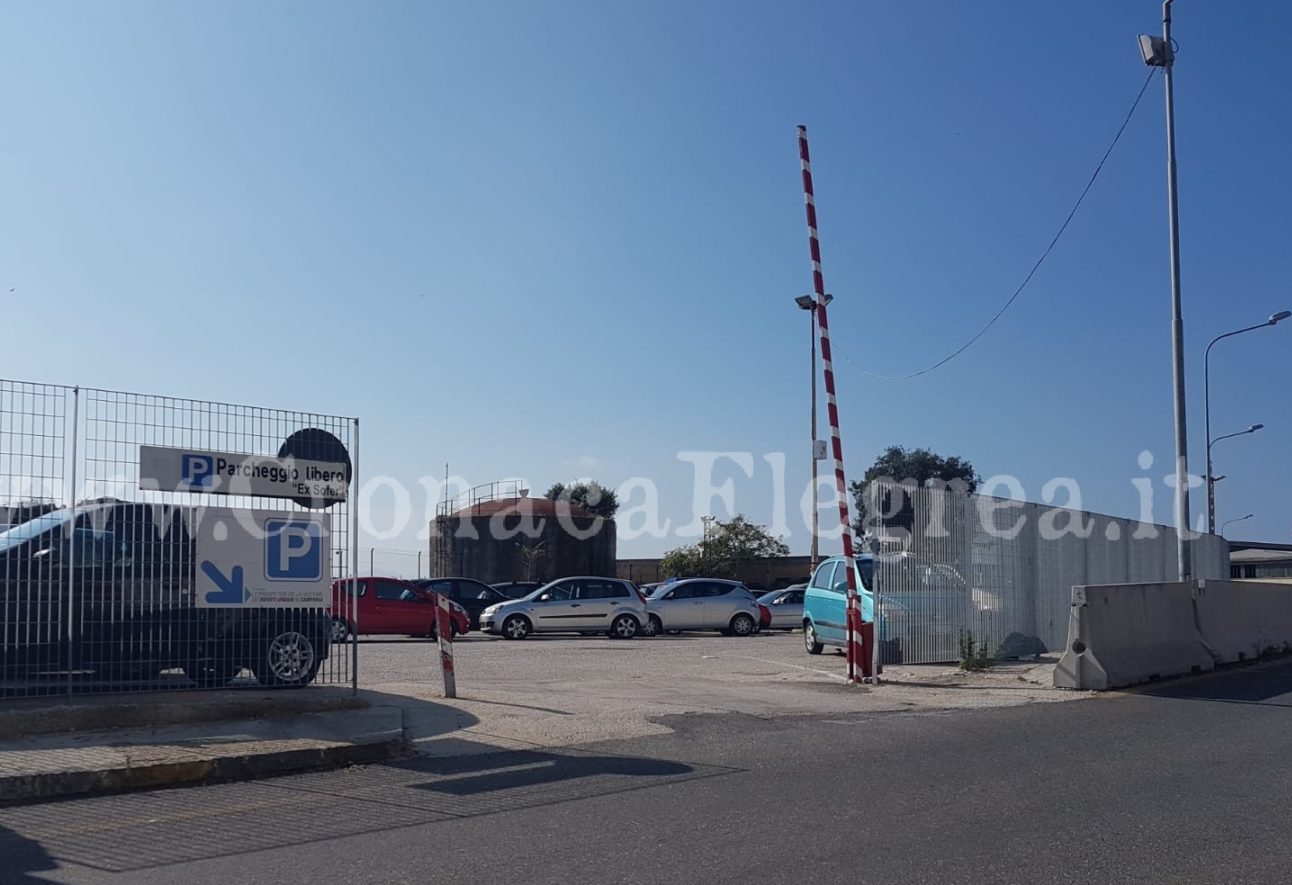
(778, 664)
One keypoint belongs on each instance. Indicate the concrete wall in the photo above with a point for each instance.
(1124, 634)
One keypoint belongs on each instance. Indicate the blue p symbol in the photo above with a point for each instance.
(293, 550)
(197, 471)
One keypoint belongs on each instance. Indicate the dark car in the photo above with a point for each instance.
(109, 588)
(474, 596)
(517, 589)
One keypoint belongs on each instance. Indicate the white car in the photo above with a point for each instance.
(703, 604)
(786, 606)
(570, 605)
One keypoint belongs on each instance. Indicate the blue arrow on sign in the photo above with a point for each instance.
(231, 592)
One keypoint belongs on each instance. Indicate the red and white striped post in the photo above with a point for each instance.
(856, 655)
(444, 631)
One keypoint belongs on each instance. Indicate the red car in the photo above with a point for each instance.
(764, 617)
(388, 606)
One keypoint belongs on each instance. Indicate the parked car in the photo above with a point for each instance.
(130, 569)
(786, 607)
(935, 607)
(570, 605)
(703, 604)
(390, 607)
(517, 589)
(473, 596)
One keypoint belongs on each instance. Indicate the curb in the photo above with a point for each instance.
(28, 719)
(64, 784)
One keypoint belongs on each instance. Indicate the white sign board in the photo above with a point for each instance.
(223, 473)
(261, 559)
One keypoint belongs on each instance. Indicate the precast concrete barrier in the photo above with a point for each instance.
(1124, 634)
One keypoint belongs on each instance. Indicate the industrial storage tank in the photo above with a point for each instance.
(519, 538)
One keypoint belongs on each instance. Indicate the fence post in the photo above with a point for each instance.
(354, 558)
(71, 543)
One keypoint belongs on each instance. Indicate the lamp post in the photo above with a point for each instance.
(1228, 521)
(1212, 480)
(808, 303)
(1160, 52)
(1274, 320)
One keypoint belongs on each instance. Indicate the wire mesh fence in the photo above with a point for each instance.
(108, 577)
(960, 575)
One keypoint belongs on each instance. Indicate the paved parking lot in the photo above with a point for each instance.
(563, 690)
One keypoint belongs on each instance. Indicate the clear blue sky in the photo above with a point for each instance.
(552, 239)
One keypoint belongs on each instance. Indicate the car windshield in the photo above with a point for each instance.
(534, 594)
(769, 597)
(33, 528)
(661, 589)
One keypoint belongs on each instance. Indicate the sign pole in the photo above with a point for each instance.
(856, 654)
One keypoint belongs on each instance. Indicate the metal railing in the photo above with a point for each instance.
(101, 594)
(956, 568)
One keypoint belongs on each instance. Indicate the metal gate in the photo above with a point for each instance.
(955, 568)
(99, 572)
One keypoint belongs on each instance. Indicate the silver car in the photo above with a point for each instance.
(570, 605)
(786, 607)
(702, 604)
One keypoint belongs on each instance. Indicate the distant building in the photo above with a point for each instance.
(763, 574)
(1259, 559)
(513, 537)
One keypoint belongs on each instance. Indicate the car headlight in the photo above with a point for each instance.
(490, 610)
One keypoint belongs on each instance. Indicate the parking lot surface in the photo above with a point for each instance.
(565, 690)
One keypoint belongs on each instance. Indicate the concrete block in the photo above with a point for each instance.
(1242, 620)
(1124, 634)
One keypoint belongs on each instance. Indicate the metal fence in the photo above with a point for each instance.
(955, 568)
(100, 573)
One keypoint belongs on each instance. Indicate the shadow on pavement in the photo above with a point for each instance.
(512, 769)
(104, 833)
(20, 856)
(1262, 684)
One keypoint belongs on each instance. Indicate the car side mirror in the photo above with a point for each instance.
(546, 597)
(48, 555)
(670, 594)
(483, 595)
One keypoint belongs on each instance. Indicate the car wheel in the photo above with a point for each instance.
(654, 626)
(743, 625)
(624, 627)
(516, 627)
(340, 631)
(290, 661)
(810, 641)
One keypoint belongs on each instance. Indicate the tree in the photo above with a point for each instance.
(590, 495)
(915, 467)
(727, 551)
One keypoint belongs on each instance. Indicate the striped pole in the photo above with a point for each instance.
(856, 655)
(444, 632)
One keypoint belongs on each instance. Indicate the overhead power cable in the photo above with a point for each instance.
(1035, 267)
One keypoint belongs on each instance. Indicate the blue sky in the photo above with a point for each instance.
(547, 240)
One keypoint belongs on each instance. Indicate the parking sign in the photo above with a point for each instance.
(259, 558)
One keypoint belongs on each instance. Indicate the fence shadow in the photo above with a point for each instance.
(20, 856)
(1267, 684)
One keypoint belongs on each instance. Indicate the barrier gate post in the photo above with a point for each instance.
(857, 659)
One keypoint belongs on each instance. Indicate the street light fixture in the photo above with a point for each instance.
(1274, 320)
(1224, 524)
(808, 303)
(1160, 52)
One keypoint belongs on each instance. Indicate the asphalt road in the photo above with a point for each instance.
(1187, 782)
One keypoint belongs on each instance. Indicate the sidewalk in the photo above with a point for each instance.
(201, 738)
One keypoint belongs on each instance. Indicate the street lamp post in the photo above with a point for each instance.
(1274, 320)
(1237, 519)
(1212, 480)
(808, 303)
(1159, 52)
